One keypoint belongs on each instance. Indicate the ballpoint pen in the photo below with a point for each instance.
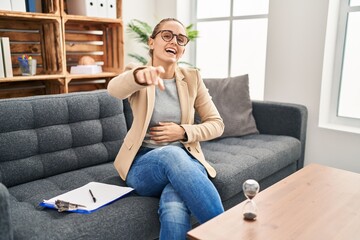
(92, 195)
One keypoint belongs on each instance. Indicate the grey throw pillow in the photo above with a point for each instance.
(232, 99)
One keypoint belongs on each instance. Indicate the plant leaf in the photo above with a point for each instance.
(138, 58)
(191, 33)
(141, 30)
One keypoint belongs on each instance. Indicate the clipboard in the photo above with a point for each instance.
(88, 198)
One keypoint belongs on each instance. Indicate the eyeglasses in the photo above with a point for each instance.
(168, 35)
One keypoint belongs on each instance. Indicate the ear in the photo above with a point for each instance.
(151, 43)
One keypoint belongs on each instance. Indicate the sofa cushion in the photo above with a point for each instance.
(131, 217)
(232, 99)
(80, 129)
(254, 156)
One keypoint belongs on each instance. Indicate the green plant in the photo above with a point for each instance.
(142, 32)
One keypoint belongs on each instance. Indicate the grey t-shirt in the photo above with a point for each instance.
(166, 109)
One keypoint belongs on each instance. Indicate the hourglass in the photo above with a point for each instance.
(250, 189)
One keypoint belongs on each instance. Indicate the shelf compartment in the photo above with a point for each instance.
(31, 78)
(22, 89)
(57, 41)
(25, 89)
(39, 39)
(98, 19)
(88, 82)
(50, 9)
(101, 41)
(79, 85)
(92, 76)
(15, 16)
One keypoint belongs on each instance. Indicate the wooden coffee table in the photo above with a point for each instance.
(316, 202)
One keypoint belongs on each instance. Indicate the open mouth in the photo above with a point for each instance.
(170, 50)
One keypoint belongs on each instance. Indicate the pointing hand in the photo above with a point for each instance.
(151, 76)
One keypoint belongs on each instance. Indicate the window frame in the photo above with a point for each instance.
(332, 69)
(231, 19)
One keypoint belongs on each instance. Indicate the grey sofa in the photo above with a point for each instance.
(52, 144)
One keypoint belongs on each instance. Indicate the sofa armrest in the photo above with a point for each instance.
(287, 119)
(5, 224)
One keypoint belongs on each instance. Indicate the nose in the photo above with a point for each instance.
(174, 40)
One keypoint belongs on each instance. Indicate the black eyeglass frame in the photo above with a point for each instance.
(173, 35)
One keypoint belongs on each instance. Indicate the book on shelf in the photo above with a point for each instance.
(33, 6)
(2, 72)
(13, 5)
(5, 5)
(83, 7)
(18, 5)
(6, 53)
(101, 8)
(87, 198)
(93, 8)
(111, 8)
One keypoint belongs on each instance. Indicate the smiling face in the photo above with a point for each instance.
(166, 53)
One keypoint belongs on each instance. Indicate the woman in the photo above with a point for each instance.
(161, 155)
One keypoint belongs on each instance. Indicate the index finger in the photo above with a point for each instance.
(161, 84)
(156, 128)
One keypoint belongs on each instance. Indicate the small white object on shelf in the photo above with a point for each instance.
(86, 69)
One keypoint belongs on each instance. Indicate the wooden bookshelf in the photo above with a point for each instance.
(57, 41)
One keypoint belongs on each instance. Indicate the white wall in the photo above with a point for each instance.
(296, 40)
(136, 9)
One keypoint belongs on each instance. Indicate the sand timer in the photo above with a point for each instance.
(250, 189)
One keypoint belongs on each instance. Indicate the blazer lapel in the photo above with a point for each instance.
(183, 93)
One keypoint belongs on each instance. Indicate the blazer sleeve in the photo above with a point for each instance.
(212, 125)
(124, 85)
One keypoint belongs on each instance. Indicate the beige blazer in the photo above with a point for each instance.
(193, 95)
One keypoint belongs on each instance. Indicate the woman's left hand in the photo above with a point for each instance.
(167, 132)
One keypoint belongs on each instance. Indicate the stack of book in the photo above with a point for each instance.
(5, 58)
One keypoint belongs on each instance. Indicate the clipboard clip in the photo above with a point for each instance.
(62, 206)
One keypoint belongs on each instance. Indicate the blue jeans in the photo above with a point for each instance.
(182, 184)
